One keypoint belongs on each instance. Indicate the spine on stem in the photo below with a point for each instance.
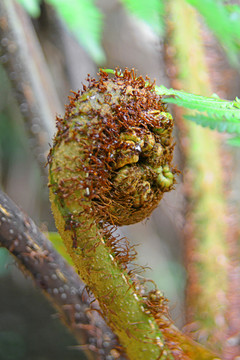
(110, 164)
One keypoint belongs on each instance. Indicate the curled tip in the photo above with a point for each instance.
(117, 134)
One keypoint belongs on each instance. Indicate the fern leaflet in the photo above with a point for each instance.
(216, 123)
(224, 22)
(212, 112)
(149, 11)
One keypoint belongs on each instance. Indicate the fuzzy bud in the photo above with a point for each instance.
(114, 149)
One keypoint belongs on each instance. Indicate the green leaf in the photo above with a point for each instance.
(212, 112)
(212, 105)
(224, 22)
(31, 6)
(85, 21)
(59, 245)
(235, 141)
(215, 123)
(109, 71)
(150, 12)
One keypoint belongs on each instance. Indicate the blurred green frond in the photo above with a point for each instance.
(211, 104)
(212, 112)
(234, 11)
(82, 17)
(224, 22)
(151, 12)
(31, 6)
(85, 21)
(216, 123)
(235, 141)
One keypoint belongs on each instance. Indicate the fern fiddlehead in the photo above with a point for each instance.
(110, 164)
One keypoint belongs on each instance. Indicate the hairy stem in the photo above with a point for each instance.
(119, 301)
(121, 305)
(111, 156)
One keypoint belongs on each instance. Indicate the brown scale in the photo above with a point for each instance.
(127, 162)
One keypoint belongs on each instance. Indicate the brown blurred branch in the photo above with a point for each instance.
(23, 60)
(58, 281)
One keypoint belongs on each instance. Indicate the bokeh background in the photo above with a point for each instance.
(29, 326)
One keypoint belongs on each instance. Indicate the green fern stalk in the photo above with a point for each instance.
(207, 274)
(96, 181)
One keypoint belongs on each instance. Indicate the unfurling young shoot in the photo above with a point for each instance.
(110, 164)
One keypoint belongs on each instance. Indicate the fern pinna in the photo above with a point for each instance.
(212, 112)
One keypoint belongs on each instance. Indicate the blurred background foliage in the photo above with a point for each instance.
(76, 37)
(85, 19)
